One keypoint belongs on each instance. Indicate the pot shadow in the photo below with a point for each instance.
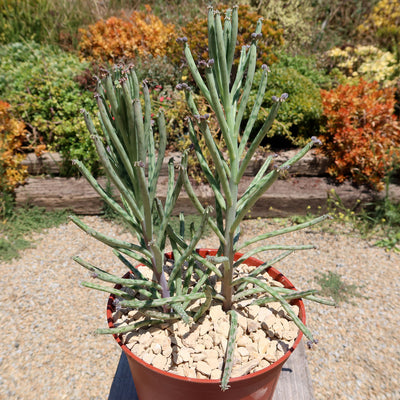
(123, 387)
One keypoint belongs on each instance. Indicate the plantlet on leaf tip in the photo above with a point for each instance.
(127, 151)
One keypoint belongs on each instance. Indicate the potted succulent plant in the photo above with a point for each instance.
(184, 316)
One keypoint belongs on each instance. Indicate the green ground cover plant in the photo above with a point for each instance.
(378, 221)
(334, 285)
(384, 217)
(17, 226)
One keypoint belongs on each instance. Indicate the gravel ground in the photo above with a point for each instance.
(48, 350)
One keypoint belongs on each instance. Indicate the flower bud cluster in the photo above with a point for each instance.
(281, 167)
(265, 67)
(256, 36)
(139, 163)
(201, 117)
(283, 97)
(183, 39)
(206, 64)
(182, 86)
(316, 140)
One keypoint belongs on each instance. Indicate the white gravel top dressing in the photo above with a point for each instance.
(197, 350)
(48, 350)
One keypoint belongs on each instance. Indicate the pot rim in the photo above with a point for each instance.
(271, 270)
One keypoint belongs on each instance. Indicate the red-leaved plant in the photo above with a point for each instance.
(361, 135)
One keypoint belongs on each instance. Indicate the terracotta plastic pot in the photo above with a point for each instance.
(154, 384)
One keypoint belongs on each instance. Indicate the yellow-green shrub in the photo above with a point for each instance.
(368, 62)
(295, 17)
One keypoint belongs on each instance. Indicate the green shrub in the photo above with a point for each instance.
(307, 66)
(299, 116)
(38, 81)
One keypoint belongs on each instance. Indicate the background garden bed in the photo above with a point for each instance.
(345, 95)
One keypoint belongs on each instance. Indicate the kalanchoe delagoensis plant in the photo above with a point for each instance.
(127, 151)
(228, 96)
(126, 147)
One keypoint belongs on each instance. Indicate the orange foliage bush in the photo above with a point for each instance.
(362, 134)
(12, 137)
(196, 32)
(115, 39)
